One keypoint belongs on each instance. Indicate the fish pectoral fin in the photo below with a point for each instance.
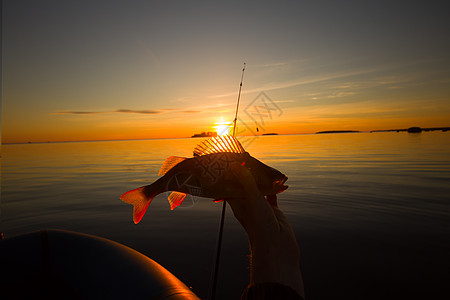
(175, 199)
(170, 163)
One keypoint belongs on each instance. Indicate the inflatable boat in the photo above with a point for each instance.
(58, 264)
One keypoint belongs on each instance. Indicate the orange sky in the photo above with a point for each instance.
(174, 70)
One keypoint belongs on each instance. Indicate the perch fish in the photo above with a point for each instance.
(207, 174)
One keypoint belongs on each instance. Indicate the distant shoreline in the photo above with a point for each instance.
(427, 129)
(337, 131)
(414, 129)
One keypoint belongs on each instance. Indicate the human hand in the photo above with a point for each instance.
(275, 256)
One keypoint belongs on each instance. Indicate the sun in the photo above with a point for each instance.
(222, 127)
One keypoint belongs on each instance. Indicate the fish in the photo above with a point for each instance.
(207, 174)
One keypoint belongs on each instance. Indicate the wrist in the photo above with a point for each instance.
(284, 270)
(275, 257)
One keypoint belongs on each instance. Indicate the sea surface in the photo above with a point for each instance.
(371, 211)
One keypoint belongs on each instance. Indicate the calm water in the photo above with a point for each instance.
(370, 210)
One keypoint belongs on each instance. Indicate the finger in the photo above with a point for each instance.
(272, 199)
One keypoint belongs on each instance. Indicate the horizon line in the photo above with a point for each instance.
(184, 137)
(136, 139)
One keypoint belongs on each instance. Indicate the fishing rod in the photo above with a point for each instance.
(215, 271)
(238, 99)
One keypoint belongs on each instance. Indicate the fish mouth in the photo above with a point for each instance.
(279, 185)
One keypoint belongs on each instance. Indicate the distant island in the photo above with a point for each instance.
(415, 129)
(212, 134)
(205, 134)
(336, 131)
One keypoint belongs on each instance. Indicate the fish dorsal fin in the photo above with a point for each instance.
(175, 199)
(170, 163)
(219, 144)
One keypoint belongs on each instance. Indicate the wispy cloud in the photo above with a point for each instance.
(352, 79)
(75, 113)
(130, 111)
(279, 64)
(301, 81)
(120, 111)
(330, 95)
(283, 101)
(270, 65)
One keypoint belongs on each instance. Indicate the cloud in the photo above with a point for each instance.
(270, 65)
(283, 101)
(123, 111)
(65, 112)
(130, 111)
(279, 64)
(353, 79)
(301, 81)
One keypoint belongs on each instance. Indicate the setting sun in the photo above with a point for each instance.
(222, 127)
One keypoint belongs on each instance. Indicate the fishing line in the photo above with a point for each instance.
(215, 271)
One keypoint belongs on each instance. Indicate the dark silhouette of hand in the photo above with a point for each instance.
(275, 255)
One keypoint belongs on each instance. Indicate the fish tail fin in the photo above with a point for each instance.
(139, 200)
